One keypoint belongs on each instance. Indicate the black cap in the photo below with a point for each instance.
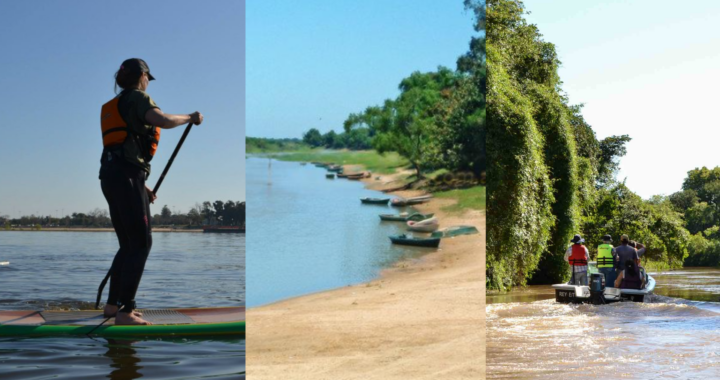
(577, 239)
(607, 238)
(136, 65)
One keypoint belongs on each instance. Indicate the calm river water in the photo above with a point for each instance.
(673, 335)
(62, 270)
(308, 233)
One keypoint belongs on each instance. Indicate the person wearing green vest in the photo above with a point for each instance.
(606, 260)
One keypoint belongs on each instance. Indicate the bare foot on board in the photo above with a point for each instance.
(129, 319)
(111, 311)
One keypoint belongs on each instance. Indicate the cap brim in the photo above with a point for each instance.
(150, 77)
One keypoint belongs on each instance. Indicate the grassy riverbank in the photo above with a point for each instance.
(371, 160)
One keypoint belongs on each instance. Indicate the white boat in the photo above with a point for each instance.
(597, 294)
(427, 225)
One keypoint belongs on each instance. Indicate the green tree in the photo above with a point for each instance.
(313, 138)
(329, 139)
(611, 148)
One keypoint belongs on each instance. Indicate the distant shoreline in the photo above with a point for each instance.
(87, 229)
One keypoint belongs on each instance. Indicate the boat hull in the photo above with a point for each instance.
(566, 293)
(416, 242)
(374, 201)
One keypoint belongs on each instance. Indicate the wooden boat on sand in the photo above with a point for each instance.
(415, 241)
(404, 217)
(427, 225)
(375, 201)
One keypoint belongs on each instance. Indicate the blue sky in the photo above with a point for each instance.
(312, 63)
(58, 62)
(650, 69)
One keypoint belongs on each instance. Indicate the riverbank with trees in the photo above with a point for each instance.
(550, 177)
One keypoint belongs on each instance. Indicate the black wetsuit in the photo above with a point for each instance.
(123, 185)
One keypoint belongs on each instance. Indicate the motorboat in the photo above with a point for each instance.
(598, 293)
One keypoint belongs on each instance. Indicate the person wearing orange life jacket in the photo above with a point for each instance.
(577, 256)
(130, 125)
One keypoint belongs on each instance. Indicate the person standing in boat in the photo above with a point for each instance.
(624, 252)
(577, 256)
(630, 277)
(640, 250)
(606, 260)
(131, 124)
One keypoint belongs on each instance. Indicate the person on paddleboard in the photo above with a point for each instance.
(577, 256)
(131, 124)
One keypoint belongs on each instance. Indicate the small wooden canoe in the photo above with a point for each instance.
(427, 225)
(404, 217)
(330, 175)
(402, 202)
(375, 201)
(335, 168)
(415, 241)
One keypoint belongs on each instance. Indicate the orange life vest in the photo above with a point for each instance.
(115, 129)
(577, 257)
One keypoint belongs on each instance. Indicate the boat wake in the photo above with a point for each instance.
(546, 339)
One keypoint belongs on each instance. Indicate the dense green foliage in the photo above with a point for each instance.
(438, 119)
(699, 202)
(549, 177)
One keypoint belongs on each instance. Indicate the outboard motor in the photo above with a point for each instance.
(597, 288)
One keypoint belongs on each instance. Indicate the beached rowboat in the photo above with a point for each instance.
(455, 231)
(375, 201)
(330, 175)
(401, 202)
(427, 225)
(415, 241)
(404, 217)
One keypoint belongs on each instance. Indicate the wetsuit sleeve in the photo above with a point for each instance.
(144, 103)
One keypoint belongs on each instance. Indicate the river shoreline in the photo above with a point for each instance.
(420, 319)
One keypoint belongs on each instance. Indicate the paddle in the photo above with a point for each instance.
(172, 158)
(155, 190)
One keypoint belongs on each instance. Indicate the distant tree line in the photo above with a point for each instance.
(356, 139)
(230, 213)
(265, 145)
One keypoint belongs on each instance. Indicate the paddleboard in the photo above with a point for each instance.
(4, 263)
(166, 322)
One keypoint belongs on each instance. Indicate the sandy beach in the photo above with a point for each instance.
(422, 319)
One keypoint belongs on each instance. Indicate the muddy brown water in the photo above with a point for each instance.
(674, 334)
